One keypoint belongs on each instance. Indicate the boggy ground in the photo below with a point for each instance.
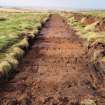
(56, 71)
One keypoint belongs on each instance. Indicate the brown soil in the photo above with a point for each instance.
(56, 71)
(101, 25)
(88, 20)
(77, 16)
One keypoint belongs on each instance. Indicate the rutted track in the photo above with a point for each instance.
(56, 71)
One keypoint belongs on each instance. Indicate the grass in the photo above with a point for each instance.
(13, 28)
(86, 31)
(100, 14)
(74, 23)
(91, 27)
(88, 102)
(14, 24)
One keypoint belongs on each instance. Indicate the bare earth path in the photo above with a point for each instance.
(55, 72)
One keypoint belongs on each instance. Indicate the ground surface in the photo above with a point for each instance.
(56, 71)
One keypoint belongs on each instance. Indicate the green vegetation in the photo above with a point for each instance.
(14, 31)
(91, 27)
(95, 13)
(13, 24)
(89, 33)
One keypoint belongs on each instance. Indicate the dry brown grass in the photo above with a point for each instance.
(14, 10)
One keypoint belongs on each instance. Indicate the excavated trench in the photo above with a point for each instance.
(56, 71)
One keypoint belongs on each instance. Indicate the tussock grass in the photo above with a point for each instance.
(14, 62)
(17, 52)
(23, 43)
(5, 68)
(89, 33)
(88, 102)
(3, 18)
(91, 27)
(11, 28)
(12, 41)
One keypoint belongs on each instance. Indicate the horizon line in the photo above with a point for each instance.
(51, 8)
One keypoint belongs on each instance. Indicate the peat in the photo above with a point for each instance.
(56, 71)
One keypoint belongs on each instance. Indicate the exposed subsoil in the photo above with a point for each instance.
(88, 20)
(101, 25)
(56, 71)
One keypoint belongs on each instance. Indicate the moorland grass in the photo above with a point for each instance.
(12, 39)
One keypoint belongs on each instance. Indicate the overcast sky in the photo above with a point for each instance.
(95, 4)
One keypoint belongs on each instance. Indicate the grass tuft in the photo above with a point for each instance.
(88, 102)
